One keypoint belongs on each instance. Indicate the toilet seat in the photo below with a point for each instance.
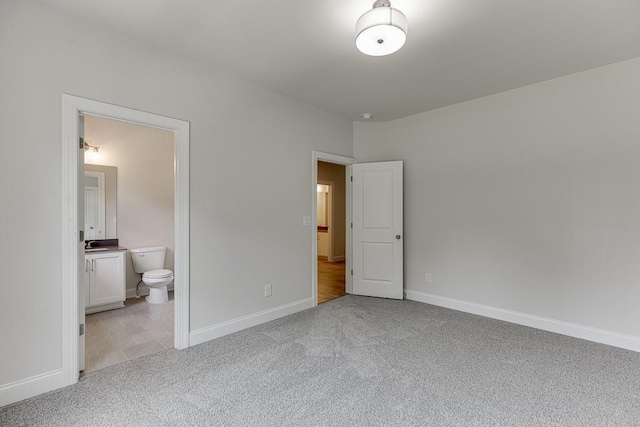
(157, 274)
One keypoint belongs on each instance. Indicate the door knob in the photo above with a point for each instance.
(398, 236)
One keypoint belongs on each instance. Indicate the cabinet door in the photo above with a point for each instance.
(106, 279)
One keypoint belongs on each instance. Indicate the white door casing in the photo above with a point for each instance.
(340, 160)
(377, 216)
(73, 300)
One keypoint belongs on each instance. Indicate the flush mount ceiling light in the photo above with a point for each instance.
(382, 30)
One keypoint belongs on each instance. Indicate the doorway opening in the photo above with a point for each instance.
(73, 241)
(330, 217)
(331, 221)
(131, 166)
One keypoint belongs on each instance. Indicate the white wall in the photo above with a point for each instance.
(528, 200)
(243, 234)
(144, 158)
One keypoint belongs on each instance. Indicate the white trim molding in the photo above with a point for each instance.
(32, 386)
(225, 328)
(317, 156)
(588, 333)
(72, 107)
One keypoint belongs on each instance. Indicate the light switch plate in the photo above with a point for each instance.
(306, 221)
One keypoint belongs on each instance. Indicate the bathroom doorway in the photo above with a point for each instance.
(73, 242)
(135, 201)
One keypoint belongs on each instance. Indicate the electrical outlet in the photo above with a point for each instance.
(427, 278)
(267, 291)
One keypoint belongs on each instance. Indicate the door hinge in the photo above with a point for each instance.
(81, 235)
(352, 272)
(352, 178)
(351, 225)
(81, 139)
(81, 329)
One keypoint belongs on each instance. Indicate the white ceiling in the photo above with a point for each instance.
(456, 50)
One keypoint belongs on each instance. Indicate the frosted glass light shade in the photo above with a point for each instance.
(381, 31)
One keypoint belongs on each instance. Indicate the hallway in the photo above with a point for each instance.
(331, 280)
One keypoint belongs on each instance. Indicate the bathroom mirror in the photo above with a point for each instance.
(100, 210)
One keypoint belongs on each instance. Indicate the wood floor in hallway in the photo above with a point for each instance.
(330, 280)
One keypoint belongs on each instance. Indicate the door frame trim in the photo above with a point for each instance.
(72, 107)
(347, 162)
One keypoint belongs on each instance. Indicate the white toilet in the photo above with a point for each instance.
(150, 263)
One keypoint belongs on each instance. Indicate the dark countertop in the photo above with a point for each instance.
(103, 245)
(103, 249)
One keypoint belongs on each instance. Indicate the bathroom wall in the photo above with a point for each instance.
(243, 234)
(527, 200)
(144, 158)
(331, 172)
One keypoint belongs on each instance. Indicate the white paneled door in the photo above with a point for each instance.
(377, 229)
(80, 243)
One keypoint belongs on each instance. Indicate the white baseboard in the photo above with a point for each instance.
(225, 328)
(105, 307)
(588, 333)
(144, 291)
(29, 387)
(338, 258)
(131, 293)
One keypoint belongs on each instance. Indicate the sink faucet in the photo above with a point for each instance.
(89, 244)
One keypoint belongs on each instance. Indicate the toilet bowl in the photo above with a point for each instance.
(157, 281)
(150, 263)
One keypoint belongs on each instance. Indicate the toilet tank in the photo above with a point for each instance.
(145, 259)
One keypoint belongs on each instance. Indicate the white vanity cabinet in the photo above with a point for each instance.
(104, 281)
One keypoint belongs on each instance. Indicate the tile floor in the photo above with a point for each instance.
(127, 333)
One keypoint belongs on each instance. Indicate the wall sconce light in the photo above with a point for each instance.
(92, 153)
(93, 148)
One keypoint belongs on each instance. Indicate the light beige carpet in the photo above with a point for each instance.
(358, 361)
